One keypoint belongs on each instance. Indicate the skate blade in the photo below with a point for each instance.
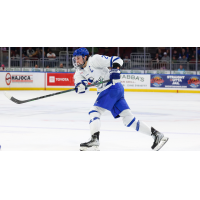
(94, 148)
(161, 144)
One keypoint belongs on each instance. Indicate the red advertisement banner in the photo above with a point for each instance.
(60, 79)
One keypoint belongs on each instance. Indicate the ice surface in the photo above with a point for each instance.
(61, 122)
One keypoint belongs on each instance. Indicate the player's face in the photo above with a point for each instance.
(79, 60)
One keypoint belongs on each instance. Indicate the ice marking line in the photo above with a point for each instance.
(132, 130)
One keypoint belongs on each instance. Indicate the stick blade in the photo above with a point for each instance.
(12, 98)
(7, 95)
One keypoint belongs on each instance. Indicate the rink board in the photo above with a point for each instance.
(131, 82)
(22, 81)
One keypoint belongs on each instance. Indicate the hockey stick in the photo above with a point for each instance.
(49, 95)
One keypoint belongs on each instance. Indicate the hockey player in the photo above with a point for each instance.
(94, 69)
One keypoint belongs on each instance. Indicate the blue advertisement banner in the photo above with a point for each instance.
(175, 81)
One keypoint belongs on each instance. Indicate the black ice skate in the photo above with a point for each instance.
(159, 139)
(92, 145)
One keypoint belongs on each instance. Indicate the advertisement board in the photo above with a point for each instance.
(175, 81)
(60, 79)
(22, 80)
(132, 81)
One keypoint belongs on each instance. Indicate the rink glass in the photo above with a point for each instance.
(136, 59)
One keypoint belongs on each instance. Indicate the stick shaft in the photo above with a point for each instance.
(50, 95)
